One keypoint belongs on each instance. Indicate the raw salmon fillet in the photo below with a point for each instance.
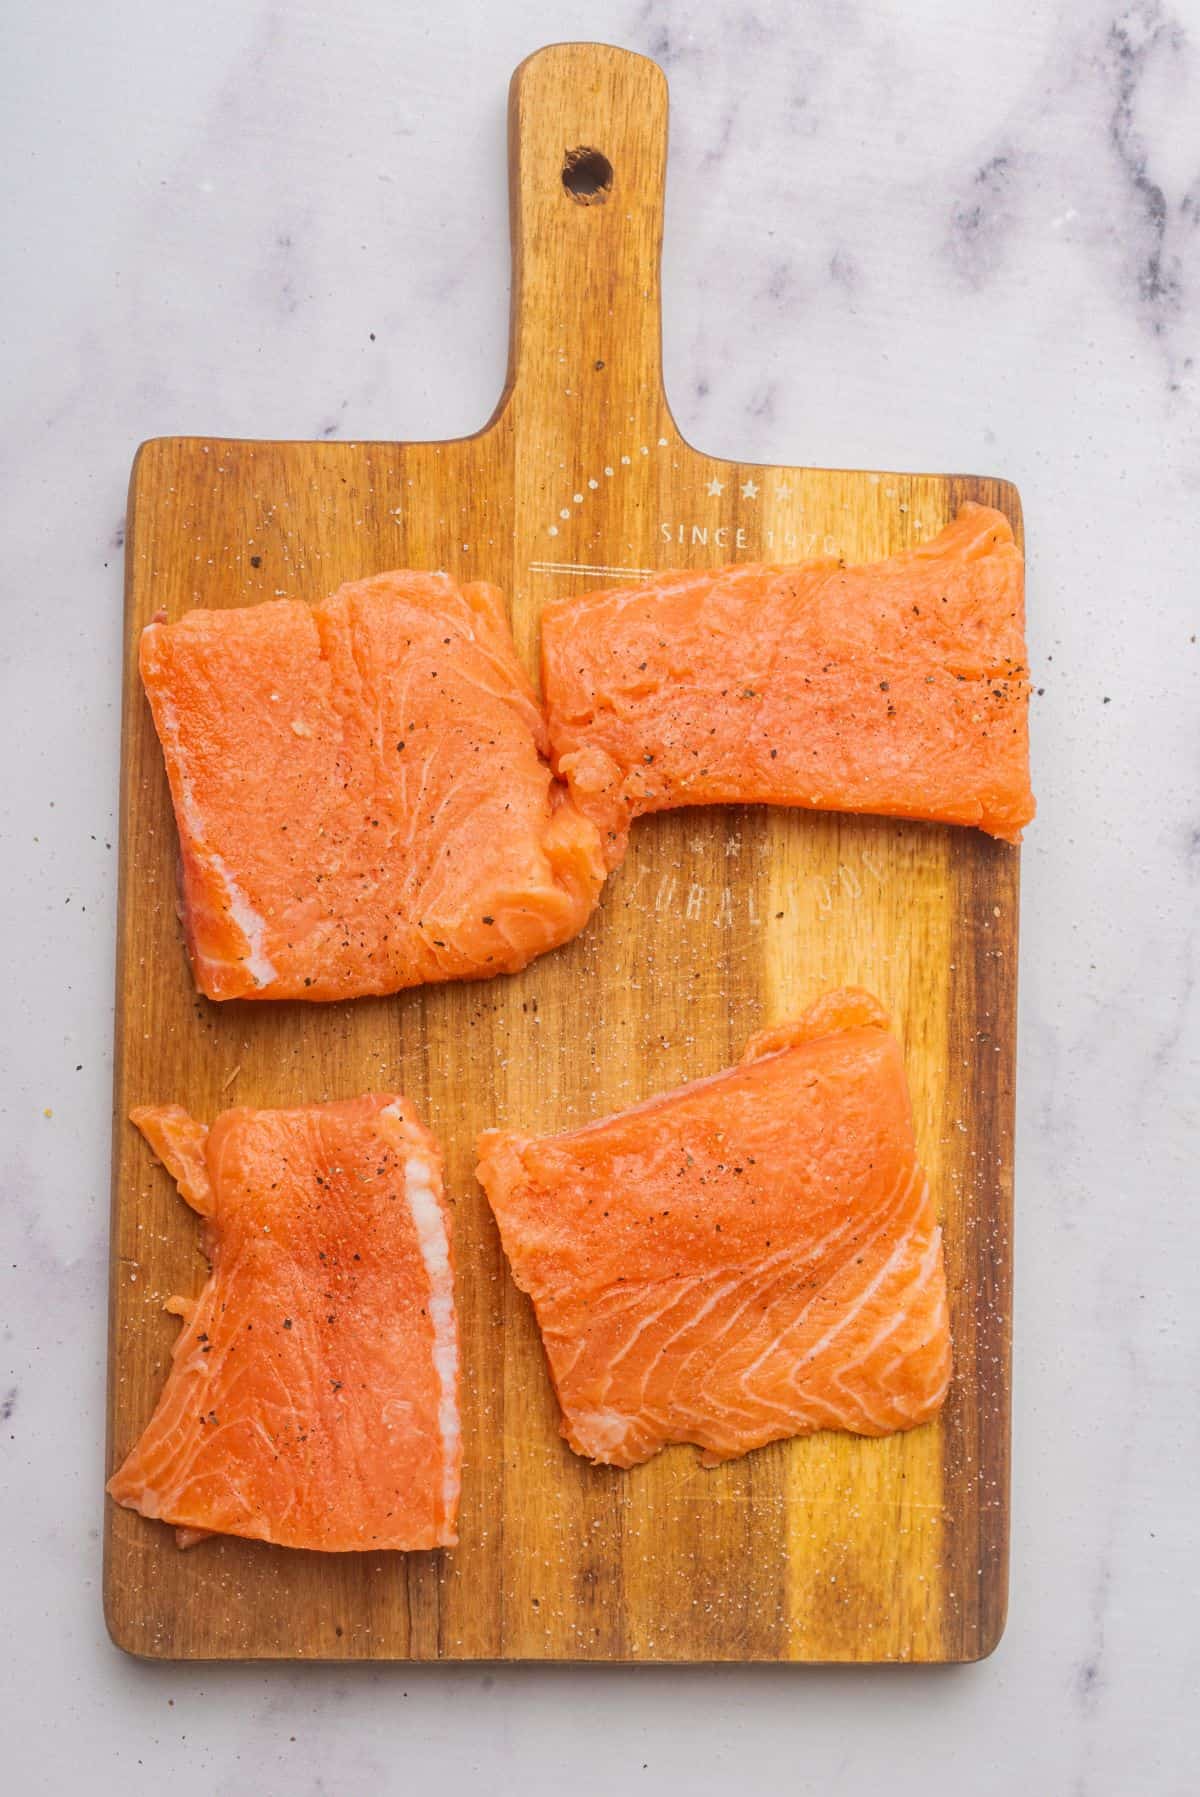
(898, 687)
(361, 792)
(312, 1399)
(750, 1257)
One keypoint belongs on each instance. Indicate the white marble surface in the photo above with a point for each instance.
(899, 234)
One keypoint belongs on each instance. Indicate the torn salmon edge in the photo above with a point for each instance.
(810, 1025)
(421, 1177)
(256, 963)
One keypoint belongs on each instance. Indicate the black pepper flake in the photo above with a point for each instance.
(489, 920)
(256, 561)
(287, 1322)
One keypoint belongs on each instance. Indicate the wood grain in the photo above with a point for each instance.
(720, 920)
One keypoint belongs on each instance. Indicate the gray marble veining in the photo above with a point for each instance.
(906, 235)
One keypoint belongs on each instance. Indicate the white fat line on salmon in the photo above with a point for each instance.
(894, 1260)
(257, 963)
(434, 1244)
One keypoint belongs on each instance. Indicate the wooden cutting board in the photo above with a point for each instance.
(719, 921)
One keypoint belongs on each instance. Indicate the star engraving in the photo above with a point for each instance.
(749, 490)
(715, 488)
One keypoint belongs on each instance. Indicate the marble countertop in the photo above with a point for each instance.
(908, 235)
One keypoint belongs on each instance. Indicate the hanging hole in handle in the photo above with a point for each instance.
(587, 176)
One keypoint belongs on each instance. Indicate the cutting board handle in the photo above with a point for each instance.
(587, 162)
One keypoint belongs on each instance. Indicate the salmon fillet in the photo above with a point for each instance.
(312, 1399)
(898, 687)
(749, 1257)
(361, 793)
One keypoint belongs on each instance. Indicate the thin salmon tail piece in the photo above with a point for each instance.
(312, 1398)
(750, 1257)
(898, 687)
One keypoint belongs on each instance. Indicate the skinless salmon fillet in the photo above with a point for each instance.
(312, 1399)
(899, 687)
(749, 1257)
(361, 793)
